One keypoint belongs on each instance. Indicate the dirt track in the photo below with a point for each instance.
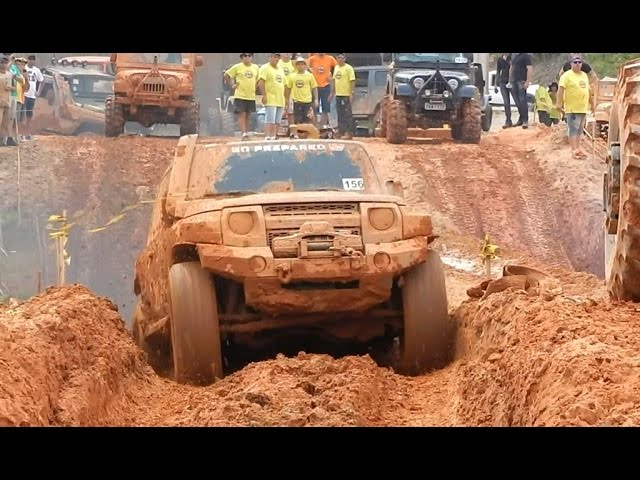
(566, 360)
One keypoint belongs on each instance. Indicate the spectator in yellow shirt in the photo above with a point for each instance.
(574, 100)
(302, 89)
(287, 66)
(271, 86)
(342, 86)
(242, 77)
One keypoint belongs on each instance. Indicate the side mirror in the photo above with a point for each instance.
(199, 61)
(395, 188)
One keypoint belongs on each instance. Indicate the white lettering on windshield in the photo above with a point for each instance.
(276, 147)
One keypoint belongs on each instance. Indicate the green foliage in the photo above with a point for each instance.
(607, 64)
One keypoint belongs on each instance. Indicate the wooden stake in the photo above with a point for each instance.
(39, 285)
(487, 266)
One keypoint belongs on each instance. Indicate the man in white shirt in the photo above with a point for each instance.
(36, 81)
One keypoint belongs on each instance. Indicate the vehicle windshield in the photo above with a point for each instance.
(177, 59)
(90, 88)
(418, 58)
(302, 166)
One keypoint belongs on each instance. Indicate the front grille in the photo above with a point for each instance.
(149, 87)
(311, 209)
(437, 84)
(284, 232)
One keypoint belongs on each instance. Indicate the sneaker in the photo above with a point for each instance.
(507, 125)
(245, 136)
(525, 124)
(11, 142)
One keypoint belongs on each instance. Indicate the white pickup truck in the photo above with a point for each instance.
(496, 98)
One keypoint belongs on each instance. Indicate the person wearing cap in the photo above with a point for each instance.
(574, 99)
(302, 89)
(287, 66)
(321, 66)
(585, 67)
(6, 87)
(554, 114)
(271, 85)
(342, 86)
(36, 82)
(242, 78)
(21, 89)
(520, 75)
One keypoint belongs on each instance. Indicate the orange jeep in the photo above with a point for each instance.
(258, 240)
(153, 88)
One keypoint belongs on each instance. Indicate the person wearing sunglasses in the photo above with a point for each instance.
(574, 98)
(243, 77)
(586, 68)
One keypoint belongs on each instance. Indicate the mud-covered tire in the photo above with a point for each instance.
(623, 275)
(190, 119)
(425, 341)
(397, 122)
(114, 120)
(380, 119)
(471, 123)
(195, 331)
(487, 118)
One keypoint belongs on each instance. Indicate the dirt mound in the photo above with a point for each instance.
(65, 357)
(530, 362)
(306, 390)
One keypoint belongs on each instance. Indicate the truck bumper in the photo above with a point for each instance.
(295, 285)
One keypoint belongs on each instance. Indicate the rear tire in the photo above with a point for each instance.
(380, 119)
(487, 118)
(155, 358)
(396, 120)
(195, 331)
(190, 119)
(113, 118)
(425, 342)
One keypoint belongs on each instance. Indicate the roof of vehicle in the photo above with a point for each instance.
(69, 71)
(87, 58)
(372, 67)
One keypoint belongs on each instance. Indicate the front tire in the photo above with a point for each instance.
(113, 118)
(190, 119)
(471, 125)
(425, 340)
(195, 331)
(396, 122)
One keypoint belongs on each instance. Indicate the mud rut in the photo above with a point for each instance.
(521, 360)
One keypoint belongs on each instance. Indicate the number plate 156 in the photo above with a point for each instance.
(353, 183)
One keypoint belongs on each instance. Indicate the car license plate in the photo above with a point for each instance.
(435, 106)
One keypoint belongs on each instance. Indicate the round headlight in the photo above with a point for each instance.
(240, 223)
(446, 94)
(382, 218)
(427, 93)
(418, 82)
(172, 82)
(453, 83)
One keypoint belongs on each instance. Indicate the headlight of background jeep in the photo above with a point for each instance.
(453, 83)
(418, 83)
(382, 218)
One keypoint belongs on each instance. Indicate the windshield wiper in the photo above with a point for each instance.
(324, 190)
(233, 193)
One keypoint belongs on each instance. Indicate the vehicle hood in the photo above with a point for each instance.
(188, 208)
(427, 72)
(126, 72)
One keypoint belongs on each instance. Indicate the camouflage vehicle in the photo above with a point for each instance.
(255, 241)
(621, 188)
(153, 88)
(430, 90)
(72, 101)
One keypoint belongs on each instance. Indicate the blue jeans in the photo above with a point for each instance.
(520, 97)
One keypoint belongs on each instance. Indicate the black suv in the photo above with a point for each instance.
(430, 90)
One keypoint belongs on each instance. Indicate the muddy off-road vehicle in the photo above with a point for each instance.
(258, 241)
(604, 95)
(430, 90)
(153, 88)
(622, 188)
(72, 101)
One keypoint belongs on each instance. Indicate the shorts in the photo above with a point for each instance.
(13, 109)
(323, 99)
(244, 106)
(27, 108)
(301, 112)
(273, 114)
(575, 123)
